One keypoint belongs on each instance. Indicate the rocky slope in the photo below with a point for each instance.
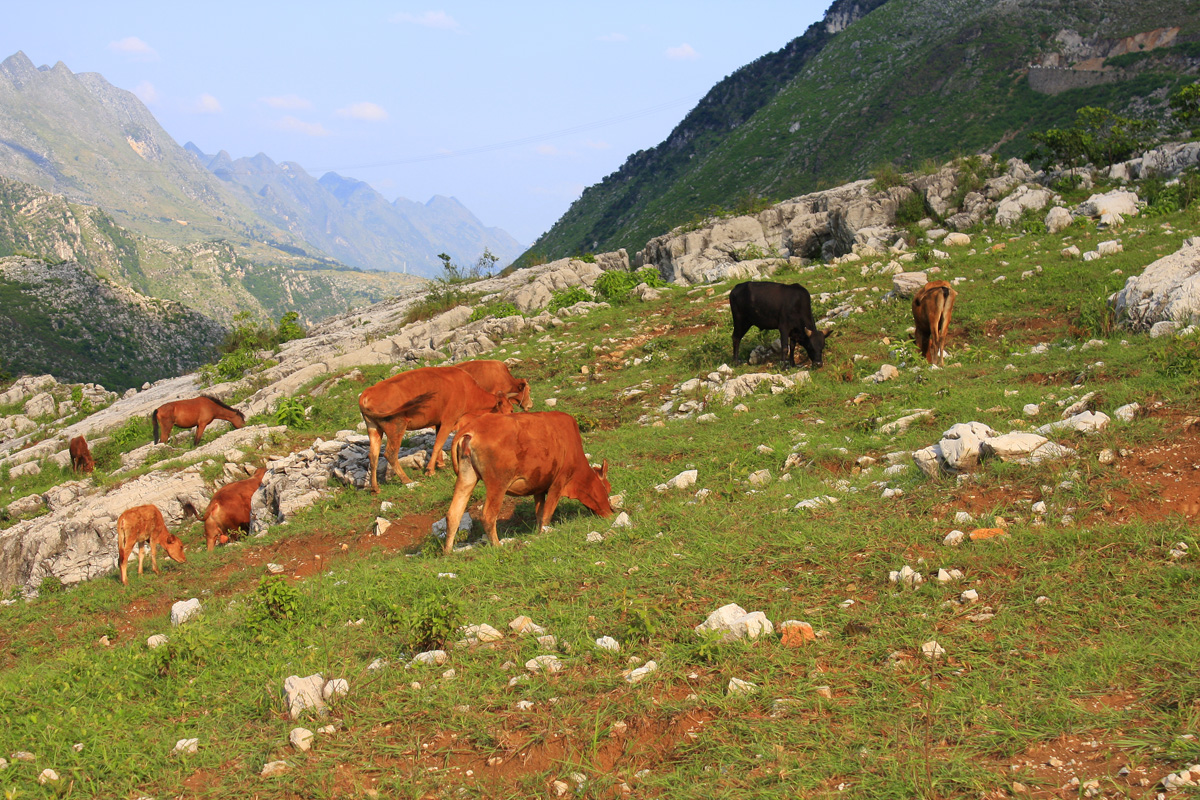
(62, 318)
(897, 82)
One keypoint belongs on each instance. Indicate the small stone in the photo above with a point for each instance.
(336, 687)
(963, 516)
(636, 675)
(1106, 456)
(23, 755)
(797, 633)
(430, 657)
(48, 776)
(377, 665)
(273, 768)
(381, 526)
(524, 705)
(595, 537)
(622, 521)
(77, 747)
(547, 663)
(932, 649)
(824, 691)
(954, 538)
(980, 534)
(187, 746)
(274, 569)
(739, 686)
(547, 642)
(156, 641)
(184, 610)
(608, 643)
(301, 738)
(969, 596)
(525, 626)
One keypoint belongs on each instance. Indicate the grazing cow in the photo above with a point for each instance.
(195, 413)
(81, 455)
(144, 525)
(932, 307)
(229, 509)
(783, 306)
(539, 454)
(493, 376)
(438, 396)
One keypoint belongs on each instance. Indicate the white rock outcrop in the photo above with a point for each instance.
(1168, 290)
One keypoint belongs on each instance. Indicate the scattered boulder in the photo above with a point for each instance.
(734, 623)
(1010, 209)
(305, 694)
(184, 610)
(1167, 290)
(681, 481)
(1058, 219)
(906, 284)
(301, 739)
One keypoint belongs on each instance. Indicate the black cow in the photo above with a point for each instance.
(783, 306)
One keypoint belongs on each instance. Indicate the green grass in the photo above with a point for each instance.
(1120, 618)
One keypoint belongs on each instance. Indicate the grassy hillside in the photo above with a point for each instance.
(911, 80)
(1076, 660)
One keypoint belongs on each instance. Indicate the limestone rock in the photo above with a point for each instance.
(734, 623)
(41, 405)
(1116, 202)
(301, 739)
(1010, 209)
(184, 610)
(1167, 290)
(1058, 219)
(1023, 448)
(906, 284)
(304, 694)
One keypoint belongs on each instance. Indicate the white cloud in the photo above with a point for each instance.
(287, 102)
(206, 104)
(293, 125)
(612, 37)
(547, 150)
(684, 52)
(369, 112)
(146, 92)
(135, 48)
(596, 145)
(430, 19)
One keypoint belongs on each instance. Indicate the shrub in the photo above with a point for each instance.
(750, 252)
(51, 584)
(498, 309)
(886, 176)
(435, 619)
(912, 209)
(290, 412)
(442, 297)
(568, 297)
(273, 600)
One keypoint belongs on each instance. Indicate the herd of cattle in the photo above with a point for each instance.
(529, 454)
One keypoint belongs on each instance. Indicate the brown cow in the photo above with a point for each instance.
(932, 307)
(144, 525)
(539, 454)
(229, 508)
(493, 376)
(195, 413)
(437, 396)
(81, 455)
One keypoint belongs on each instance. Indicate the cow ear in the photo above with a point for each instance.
(604, 469)
(830, 332)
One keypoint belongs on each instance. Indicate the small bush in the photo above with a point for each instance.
(442, 297)
(274, 599)
(290, 412)
(886, 176)
(1178, 357)
(750, 252)
(912, 209)
(1067, 183)
(435, 620)
(51, 584)
(568, 297)
(498, 309)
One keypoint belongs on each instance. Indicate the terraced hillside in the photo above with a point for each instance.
(1049, 653)
(908, 81)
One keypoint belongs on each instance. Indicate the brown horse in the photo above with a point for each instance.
(195, 413)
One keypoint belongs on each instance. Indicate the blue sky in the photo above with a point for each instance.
(513, 108)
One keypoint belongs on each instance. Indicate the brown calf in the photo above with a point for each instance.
(81, 455)
(493, 376)
(539, 454)
(229, 508)
(932, 307)
(438, 396)
(144, 525)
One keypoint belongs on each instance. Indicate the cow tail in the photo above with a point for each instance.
(461, 450)
(154, 425)
(945, 294)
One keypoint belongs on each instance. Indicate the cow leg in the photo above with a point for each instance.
(200, 426)
(395, 436)
(491, 509)
(166, 423)
(539, 502)
(440, 453)
(439, 441)
(374, 435)
(787, 343)
(141, 557)
(553, 495)
(212, 529)
(123, 563)
(922, 338)
(154, 555)
(738, 333)
(467, 478)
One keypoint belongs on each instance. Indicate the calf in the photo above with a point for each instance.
(81, 455)
(493, 376)
(931, 308)
(438, 396)
(539, 454)
(229, 509)
(783, 306)
(144, 525)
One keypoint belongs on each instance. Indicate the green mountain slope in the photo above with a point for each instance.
(911, 79)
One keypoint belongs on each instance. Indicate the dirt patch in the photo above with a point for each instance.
(1163, 479)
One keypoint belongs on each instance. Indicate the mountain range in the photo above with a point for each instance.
(888, 82)
(78, 136)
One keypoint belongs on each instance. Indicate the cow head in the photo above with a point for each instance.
(523, 398)
(596, 495)
(813, 343)
(174, 547)
(503, 404)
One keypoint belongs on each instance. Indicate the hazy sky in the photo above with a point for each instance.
(513, 108)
